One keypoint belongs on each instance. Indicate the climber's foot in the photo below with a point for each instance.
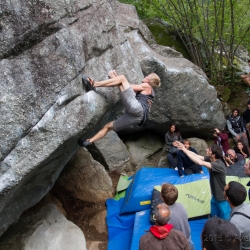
(88, 83)
(84, 143)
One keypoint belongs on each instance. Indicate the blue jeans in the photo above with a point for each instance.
(191, 244)
(220, 208)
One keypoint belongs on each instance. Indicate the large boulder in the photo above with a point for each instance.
(86, 179)
(46, 109)
(111, 152)
(45, 49)
(47, 229)
(199, 144)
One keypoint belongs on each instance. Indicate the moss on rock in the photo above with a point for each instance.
(224, 93)
(165, 35)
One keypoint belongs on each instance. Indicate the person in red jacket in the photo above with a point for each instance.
(162, 236)
(221, 139)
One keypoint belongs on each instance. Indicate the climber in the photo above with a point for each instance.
(137, 100)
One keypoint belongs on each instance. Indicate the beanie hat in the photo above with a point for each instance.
(248, 102)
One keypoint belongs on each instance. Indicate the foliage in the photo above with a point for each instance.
(212, 30)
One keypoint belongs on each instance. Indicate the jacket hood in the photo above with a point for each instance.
(161, 232)
(236, 118)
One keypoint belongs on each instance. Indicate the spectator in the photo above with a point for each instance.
(235, 125)
(247, 172)
(217, 171)
(246, 78)
(221, 139)
(246, 117)
(183, 162)
(236, 194)
(241, 149)
(232, 157)
(179, 217)
(171, 137)
(220, 234)
(162, 236)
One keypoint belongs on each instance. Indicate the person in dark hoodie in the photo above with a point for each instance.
(162, 236)
(235, 125)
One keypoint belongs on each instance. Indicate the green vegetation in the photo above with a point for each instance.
(211, 30)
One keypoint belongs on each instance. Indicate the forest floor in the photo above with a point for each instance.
(233, 97)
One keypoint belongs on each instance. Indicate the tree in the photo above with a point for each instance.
(211, 30)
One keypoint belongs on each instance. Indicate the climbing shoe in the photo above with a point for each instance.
(83, 143)
(88, 85)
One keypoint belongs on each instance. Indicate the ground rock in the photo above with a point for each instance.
(50, 199)
(86, 178)
(199, 144)
(162, 160)
(143, 146)
(47, 229)
(111, 152)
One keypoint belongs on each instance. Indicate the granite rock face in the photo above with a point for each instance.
(45, 48)
(47, 229)
(111, 152)
(85, 178)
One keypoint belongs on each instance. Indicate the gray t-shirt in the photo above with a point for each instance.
(242, 223)
(217, 178)
(179, 219)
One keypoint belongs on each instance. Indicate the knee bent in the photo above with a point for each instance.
(122, 77)
(109, 126)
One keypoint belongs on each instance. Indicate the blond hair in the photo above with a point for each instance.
(155, 80)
